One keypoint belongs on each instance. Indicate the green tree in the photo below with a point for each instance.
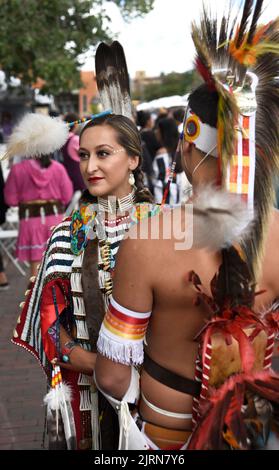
(171, 84)
(134, 8)
(44, 38)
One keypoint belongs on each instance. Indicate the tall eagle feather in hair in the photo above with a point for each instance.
(113, 79)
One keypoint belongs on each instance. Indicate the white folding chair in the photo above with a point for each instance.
(7, 242)
(8, 237)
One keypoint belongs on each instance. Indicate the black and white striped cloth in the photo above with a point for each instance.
(57, 263)
(161, 171)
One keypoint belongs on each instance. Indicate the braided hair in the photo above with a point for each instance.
(128, 136)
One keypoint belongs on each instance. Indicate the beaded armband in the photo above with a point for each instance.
(122, 334)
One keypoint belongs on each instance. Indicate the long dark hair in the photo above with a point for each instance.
(128, 137)
(45, 161)
(169, 134)
(204, 103)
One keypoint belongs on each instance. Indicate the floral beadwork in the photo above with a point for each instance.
(142, 211)
(82, 222)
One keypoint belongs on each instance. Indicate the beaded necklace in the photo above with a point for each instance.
(114, 231)
(112, 204)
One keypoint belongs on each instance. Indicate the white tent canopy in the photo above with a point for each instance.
(165, 102)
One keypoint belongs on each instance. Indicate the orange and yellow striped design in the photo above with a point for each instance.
(122, 334)
(125, 326)
(241, 170)
(56, 377)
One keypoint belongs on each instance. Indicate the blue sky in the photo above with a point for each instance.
(161, 41)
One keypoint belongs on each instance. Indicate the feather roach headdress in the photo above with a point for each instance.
(240, 62)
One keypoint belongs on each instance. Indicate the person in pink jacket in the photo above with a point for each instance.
(41, 188)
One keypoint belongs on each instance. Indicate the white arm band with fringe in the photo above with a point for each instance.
(122, 334)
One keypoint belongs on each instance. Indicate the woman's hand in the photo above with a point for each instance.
(80, 361)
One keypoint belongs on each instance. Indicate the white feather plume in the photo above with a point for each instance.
(36, 135)
(220, 219)
(56, 397)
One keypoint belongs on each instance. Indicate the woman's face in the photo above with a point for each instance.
(104, 164)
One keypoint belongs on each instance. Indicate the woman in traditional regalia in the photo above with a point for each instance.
(60, 319)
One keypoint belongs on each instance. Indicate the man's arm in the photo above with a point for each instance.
(132, 305)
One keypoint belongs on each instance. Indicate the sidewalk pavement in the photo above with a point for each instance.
(22, 381)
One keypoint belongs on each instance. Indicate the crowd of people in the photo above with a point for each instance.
(42, 189)
(156, 325)
(160, 139)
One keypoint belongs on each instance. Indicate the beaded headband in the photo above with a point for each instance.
(91, 118)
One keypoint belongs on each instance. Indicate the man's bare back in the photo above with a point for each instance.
(161, 276)
(269, 278)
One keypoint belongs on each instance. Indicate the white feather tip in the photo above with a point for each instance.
(220, 219)
(57, 396)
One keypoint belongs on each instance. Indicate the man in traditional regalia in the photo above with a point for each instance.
(202, 322)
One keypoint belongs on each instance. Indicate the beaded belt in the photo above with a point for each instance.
(40, 208)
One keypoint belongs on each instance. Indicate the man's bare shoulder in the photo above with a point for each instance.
(139, 238)
(135, 264)
(145, 241)
(160, 230)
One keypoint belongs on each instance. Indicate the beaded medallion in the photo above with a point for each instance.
(82, 223)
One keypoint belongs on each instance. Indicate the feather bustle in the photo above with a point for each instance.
(222, 412)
